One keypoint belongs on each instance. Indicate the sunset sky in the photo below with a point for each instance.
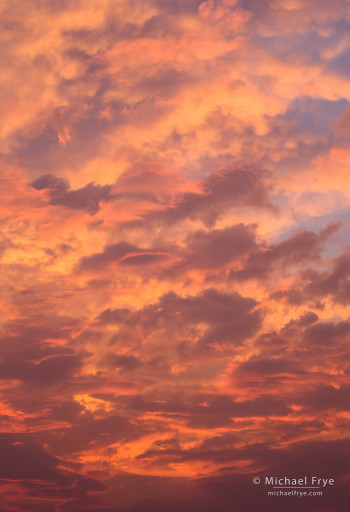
(175, 257)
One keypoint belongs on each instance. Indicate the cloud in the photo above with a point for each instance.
(31, 471)
(301, 247)
(220, 191)
(229, 318)
(216, 248)
(326, 398)
(316, 285)
(334, 282)
(86, 198)
(88, 433)
(174, 308)
(112, 252)
(46, 372)
(324, 333)
(203, 410)
(19, 452)
(305, 458)
(125, 255)
(126, 363)
(201, 250)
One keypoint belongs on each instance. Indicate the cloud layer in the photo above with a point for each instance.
(174, 254)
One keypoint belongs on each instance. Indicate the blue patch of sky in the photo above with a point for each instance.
(313, 115)
(317, 223)
(341, 63)
(307, 116)
(307, 45)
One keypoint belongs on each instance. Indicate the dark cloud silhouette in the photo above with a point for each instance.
(114, 316)
(266, 367)
(326, 398)
(304, 320)
(88, 433)
(206, 411)
(301, 247)
(34, 357)
(230, 318)
(112, 252)
(126, 255)
(24, 459)
(326, 333)
(150, 488)
(124, 362)
(335, 282)
(220, 191)
(219, 246)
(292, 296)
(86, 198)
(144, 259)
(52, 370)
(192, 330)
(235, 489)
(203, 250)
(39, 478)
(314, 285)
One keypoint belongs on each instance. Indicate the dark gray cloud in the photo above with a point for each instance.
(88, 432)
(304, 320)
(24, 459)
(86, 198)
(114, 316)
(39, 477)
(144, 259)
(318, 458)
(324, 334)
(335, 282)
(314, 285)
(326, 398)
(301, 247)
(54, 369)
(209, 411)
(149, 489)
(292, 296)
(230, 318)
(203, 250)
(219, 246)
(123, 362)
(266, 367)
(126, 255)
(111, 252)
(231, 489)
(220, 191)
(33, 357)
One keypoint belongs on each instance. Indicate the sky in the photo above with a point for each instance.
(175, 258)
